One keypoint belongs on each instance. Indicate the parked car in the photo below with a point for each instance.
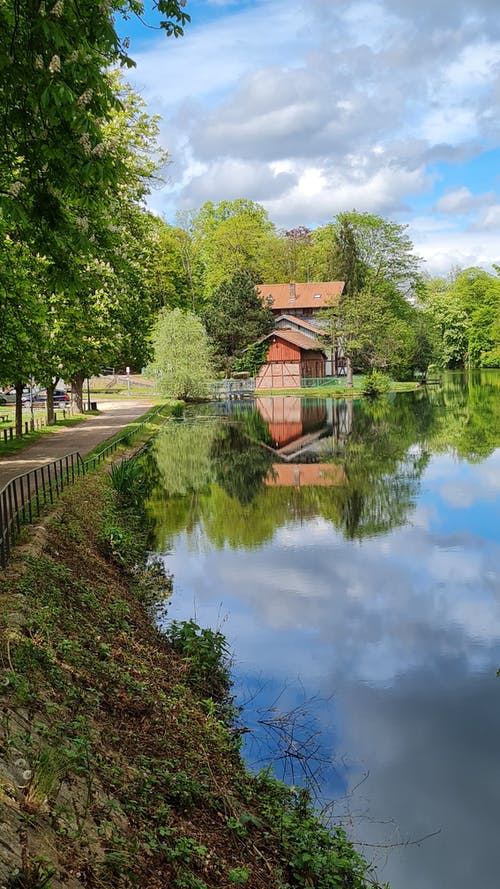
(60, 396)
(7, 397)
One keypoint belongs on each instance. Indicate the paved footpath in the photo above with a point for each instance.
(83, 437)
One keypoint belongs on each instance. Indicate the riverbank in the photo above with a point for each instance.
(338, 390)
(119, 761)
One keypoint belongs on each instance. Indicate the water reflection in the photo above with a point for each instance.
(363, 470)
(379, 592)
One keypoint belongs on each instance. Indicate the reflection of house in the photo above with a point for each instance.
(295, 308)
(292, 355)
(301, 475)
(288, 419)
(305, 430)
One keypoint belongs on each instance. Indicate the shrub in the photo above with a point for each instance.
(376, 384)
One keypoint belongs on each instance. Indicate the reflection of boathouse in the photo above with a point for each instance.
(302, 475)
(303, 426)
(289, 419)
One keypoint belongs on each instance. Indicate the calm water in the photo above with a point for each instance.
(350, 553)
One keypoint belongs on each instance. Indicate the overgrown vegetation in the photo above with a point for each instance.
(120, 765)
(376, 384)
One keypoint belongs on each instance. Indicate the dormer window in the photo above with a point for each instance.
(317, 296)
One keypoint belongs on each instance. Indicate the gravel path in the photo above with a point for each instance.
(83, 438)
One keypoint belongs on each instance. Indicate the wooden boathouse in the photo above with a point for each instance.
(292, 356)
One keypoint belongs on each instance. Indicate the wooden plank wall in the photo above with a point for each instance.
(279, 375)
(280, 351)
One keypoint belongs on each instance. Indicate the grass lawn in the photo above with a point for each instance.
(337, 389)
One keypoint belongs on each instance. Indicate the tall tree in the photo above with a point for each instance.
(449, 320)
(236, 317)
(58, 166)
(181, 362)
(231, 237)
(288, 256)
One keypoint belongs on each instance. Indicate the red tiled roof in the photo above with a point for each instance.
(296, 338)
(313, 294)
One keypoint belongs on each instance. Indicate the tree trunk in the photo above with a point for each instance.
(77, 391)
(50, 404)
(349, 372)
(19, 409)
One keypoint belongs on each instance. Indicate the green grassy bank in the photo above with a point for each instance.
(338, 389)
(119, 763)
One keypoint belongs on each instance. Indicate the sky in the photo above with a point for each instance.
(312, 107)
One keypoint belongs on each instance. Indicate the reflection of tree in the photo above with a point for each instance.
(212, 476)
(382, 469)
(184, 470)
(254, 425)
(227, 522)
(182, 453)
(469, 408)
(240, 465)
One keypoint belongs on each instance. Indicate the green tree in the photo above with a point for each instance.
(61, 168)
(449, 320)
(236, 317)
(465, 313)
(377, 250)
(181, 362)
(378, 329)
(231, 236)
(105, 317)
(288, 256)
(478, 293)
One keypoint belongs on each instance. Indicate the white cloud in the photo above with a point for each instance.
(352, 100)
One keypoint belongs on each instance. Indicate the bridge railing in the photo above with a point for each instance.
(229, 388)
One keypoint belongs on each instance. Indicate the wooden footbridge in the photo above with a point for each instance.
(229, 388)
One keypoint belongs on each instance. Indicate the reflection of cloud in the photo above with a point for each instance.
(483, 484)
(431, 747)
(375, 611)
(404, 631)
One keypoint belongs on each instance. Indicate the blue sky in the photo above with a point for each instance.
(311, 107)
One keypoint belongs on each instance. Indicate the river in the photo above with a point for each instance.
(349, 551)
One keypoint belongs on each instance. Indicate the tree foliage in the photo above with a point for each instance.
(231, 237)
(181, 362)
(465, 313)
(78, 155)
(236, 316)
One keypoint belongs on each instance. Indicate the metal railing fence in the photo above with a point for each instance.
(318, 382)
(229, 388)
(23, 498)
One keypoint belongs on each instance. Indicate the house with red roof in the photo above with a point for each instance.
(301, 300)
(296, 307)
